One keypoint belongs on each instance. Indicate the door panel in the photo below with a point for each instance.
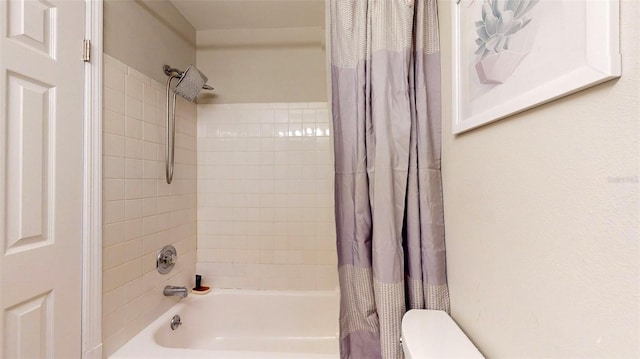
(41, 178)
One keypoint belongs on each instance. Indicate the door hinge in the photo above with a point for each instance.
(86, 50)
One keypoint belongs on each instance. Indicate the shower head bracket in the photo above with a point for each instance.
(170, 71)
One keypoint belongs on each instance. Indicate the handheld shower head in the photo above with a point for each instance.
(191, 83)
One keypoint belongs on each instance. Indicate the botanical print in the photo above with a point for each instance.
(511, 55)
(497, 57)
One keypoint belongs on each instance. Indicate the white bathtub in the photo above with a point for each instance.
(243, 324)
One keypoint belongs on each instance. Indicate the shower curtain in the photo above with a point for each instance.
(385, 82)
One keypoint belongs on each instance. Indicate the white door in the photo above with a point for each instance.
(41, 177)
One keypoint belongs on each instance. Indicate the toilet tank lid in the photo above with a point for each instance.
(434, 334)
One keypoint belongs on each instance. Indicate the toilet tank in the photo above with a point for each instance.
(433, 334)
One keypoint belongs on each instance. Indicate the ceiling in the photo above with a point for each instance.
(251, 14)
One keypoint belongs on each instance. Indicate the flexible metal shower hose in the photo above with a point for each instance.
(170, 133)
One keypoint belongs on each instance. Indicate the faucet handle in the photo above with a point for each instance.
(167, 258)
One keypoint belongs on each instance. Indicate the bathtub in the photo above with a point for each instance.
(228, 323)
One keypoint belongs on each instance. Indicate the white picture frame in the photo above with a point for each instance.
(540, 51)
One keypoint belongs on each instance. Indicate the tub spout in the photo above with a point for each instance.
(171, 291)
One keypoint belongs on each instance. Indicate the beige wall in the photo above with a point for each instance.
(542, 237)
(273, 68)
(147, 34)
(244, 65)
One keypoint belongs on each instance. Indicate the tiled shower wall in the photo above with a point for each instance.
(142, 213)
(265, 197)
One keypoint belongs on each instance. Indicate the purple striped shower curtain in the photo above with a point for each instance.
(385, 78)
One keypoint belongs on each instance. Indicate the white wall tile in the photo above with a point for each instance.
(113, 145)
(114, 77)
(113, 189)
(133, 148)
(263, 186)
(114, 101)
(133, 185)
(114, 123)
(133, 128)
(134, 87)
(133, 108)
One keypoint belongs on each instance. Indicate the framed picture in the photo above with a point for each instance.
(512, 55)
